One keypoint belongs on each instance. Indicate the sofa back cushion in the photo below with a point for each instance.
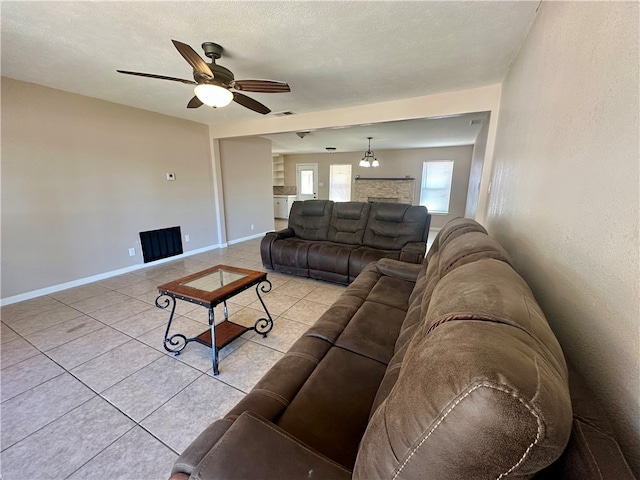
(457, 251)
(348, 221)
(453, 229)
(310, 219)
(482, 391)
(392, 225)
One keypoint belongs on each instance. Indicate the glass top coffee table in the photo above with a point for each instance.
(209, 288)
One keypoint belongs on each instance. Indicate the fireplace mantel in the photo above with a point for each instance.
(399, 189)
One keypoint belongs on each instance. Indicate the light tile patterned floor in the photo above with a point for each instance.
(88, 391)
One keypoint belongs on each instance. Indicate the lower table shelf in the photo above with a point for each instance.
(226, 332)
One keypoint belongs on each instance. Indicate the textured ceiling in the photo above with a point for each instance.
(333, 54)
(420, 133)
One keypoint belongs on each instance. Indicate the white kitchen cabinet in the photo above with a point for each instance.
(282, 205)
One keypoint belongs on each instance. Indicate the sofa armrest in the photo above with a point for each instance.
(413, 252)
(398, 269)
(284, 233)
(256, 448)
(267, 241)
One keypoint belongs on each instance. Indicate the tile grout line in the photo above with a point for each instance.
(218, 258)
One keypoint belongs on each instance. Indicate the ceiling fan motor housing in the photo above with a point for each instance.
(212, 50)
(221, 75)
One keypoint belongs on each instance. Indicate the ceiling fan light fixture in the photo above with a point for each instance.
(213, 95)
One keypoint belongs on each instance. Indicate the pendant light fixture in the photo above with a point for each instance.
(369, 159)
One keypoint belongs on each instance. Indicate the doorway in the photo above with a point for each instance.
(340, 183)
(307, 181)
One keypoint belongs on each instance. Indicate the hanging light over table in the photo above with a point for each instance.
(369, 159)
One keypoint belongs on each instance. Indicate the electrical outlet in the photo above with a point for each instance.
(252, 226)
(132, 252)
(187, 238)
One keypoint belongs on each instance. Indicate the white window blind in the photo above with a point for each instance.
(435, 191)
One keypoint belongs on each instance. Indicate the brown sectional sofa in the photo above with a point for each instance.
(334, 241)
(445, 370)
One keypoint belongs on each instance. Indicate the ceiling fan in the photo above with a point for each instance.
(213, 83)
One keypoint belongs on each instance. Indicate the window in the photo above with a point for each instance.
(306, 182)
(435, 191)
(340, 183)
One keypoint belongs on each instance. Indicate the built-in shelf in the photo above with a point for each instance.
(278, 171)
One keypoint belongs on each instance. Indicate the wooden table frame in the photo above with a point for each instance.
(227, 331)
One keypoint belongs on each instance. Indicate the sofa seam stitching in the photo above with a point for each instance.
(591, 455)
(304, 356)
(457, 402)
(274, 395)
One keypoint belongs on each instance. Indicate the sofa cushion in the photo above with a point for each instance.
(310, 219)
(373, 329)
(393, 225)
(339, 392)
(275, 390)
(453, 229)
(247, 451)
(289, 255)
(491, 291)
(363, 256)
(469, 248)
(330, 257)
(348, 221)
(198, 449)
(495, 379)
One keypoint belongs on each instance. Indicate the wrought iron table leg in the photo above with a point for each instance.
(214, 349)
(176, 342)
(263, 325)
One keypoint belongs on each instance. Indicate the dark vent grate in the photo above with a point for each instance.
(163, 243)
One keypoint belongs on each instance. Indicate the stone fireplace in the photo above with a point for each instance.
(393, 190)
(383, 199)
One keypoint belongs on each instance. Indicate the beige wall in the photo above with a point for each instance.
(82, 177)
(482, 99)
(247, 184)
(394, 163)
(564, 198)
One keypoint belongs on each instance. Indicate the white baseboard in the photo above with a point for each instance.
(244, 239)
(101, 276)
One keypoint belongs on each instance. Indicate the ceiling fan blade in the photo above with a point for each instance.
(195, 102)
(195, 60)
(161, 77)
(264, 86)
(250, 103)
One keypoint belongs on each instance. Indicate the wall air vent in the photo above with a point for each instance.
(163, 243)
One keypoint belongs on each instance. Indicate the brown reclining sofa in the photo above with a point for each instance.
(445, 370)
(334, 241)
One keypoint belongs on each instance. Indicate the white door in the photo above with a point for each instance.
(340, 183)
(307, 181)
